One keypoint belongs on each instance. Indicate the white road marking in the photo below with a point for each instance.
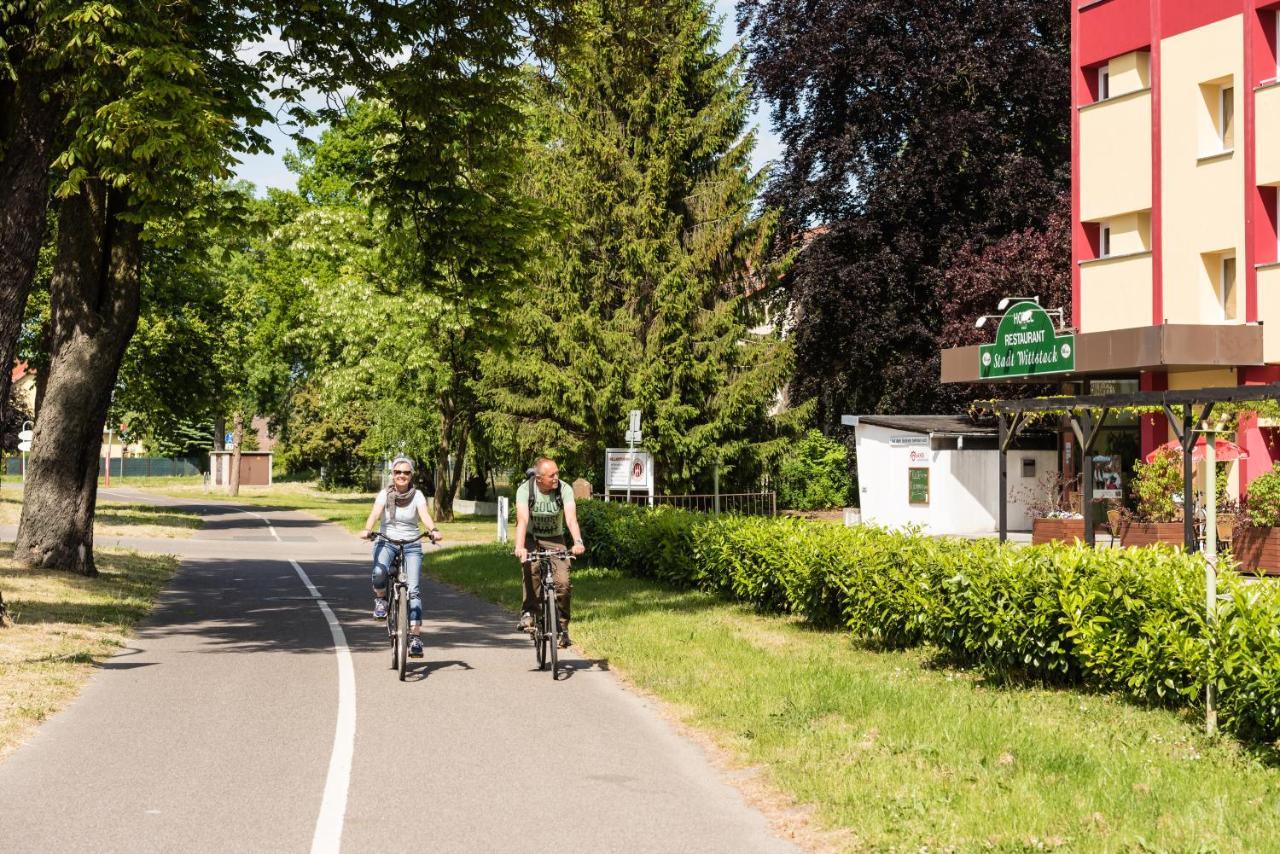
(333, 807)
(265, 520)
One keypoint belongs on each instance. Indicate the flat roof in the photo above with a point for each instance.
(933, 425)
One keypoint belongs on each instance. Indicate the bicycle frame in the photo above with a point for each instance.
(397, 603)
(546, 628)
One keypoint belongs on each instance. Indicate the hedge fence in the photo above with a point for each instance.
(1124, 620)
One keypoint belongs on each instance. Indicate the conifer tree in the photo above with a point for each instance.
(643, 301)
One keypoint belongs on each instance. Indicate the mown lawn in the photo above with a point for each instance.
(349, 509)
(118, 519)
(62, 627)
(897, 751)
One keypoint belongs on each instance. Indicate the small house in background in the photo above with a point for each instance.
(255, 468)
(942, 473)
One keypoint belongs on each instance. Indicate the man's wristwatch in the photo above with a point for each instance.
(577, 542)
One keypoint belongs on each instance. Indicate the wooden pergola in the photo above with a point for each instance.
(1188, 410)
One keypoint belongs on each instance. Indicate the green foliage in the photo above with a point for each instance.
(1154, 485)
(813, 474)
(1131, 621)
(644, 158)
(1262, 504)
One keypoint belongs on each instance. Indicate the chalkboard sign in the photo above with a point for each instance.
(918, 485)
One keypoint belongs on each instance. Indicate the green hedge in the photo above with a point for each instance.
(1125, 620)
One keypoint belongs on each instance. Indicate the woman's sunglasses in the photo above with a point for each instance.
(401, 471)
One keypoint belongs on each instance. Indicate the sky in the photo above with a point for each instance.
(268, 170)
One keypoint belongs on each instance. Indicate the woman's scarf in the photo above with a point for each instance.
(401, 499)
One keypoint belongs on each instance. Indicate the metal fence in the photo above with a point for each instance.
(128, 467)
(742, 503)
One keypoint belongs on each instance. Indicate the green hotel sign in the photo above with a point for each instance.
(1026, 345)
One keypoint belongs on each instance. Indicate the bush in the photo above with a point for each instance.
(814, 474)
(1124, 620)
(1262, 501)
(1154, 485)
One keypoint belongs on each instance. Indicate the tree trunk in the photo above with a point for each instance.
(28, 127)
(4, 614)
(94, 309)
(237, 441)
(449, 477)
(219, 433)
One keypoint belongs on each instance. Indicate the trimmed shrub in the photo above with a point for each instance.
(1124, 620)
(1262, 502)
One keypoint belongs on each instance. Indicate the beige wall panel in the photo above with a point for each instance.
(1130, 233)
(1267, 104)
(1202, 203)
(1115, 294)
(1269, 312)
(1217, 378)
(1129, 72)
(1115, 157)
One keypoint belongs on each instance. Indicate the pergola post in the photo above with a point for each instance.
(1188, 441)
(1002, 433)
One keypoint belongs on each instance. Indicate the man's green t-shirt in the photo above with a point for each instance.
(546, 518)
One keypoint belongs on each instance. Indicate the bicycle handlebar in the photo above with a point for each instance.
(378, 535)
(538, 554)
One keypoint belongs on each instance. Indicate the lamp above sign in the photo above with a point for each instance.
(1026, 345)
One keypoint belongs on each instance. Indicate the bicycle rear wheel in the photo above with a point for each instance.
(553, 632)
(402, 631)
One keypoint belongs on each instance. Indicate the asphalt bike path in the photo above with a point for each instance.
(256, 710)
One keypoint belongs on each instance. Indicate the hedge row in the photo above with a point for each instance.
(1126, 620)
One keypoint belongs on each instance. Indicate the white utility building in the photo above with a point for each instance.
(942, 472)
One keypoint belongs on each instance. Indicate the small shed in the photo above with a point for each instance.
(942, 472)
(255, 468)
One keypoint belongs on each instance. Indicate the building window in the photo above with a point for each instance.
(1227, 288)
(1104, 239)
(1104, 83)
(1227, 118)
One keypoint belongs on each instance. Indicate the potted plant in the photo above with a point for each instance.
(1159, 517)
(1052, 515)
(1255, 541)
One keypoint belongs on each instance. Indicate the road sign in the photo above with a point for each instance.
(24, 445)
(228, 438)
(634, 437)
(26, 436)
(635, 421)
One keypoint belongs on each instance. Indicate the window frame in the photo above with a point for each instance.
(1226, 104)
(1223, 303)
(1104, 240)
(1104, 82)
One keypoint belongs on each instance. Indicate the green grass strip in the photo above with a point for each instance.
(901, 752)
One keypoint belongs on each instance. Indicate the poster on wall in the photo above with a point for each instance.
(1106, 477)
(918, 486)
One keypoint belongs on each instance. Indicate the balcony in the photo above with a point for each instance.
(1115, 156)
(1269, 311)
(1267, 132)
(1115, 292)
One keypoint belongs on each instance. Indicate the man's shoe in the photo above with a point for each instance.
(415, 646)
(379, 609)
(565, 640)
(526, 622)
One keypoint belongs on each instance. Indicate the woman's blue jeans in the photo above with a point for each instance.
(383, 552)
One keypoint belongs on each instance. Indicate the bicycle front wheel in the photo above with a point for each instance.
(391, 626)
(553, 633)
(402, 633)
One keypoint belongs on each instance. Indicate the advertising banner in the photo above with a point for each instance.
(625, 469)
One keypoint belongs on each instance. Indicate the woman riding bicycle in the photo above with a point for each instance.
(400, 506)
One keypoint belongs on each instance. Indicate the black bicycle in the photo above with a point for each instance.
(398, 602)
(546, 620)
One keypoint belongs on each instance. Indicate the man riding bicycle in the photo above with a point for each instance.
(400, 506)
(544, 509)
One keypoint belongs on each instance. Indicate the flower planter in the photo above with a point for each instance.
(1063, 530)
(1150, 533)
(1257, 549)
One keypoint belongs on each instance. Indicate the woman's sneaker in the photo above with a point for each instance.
(526, 622)
(415, 646)
(565, 640)
(379, 609)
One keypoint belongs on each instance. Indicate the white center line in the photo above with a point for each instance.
(268, 524)
(333, 807)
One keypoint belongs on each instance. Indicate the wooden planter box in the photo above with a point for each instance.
(1150, 533)
(1257, 549)
(1063, 530)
